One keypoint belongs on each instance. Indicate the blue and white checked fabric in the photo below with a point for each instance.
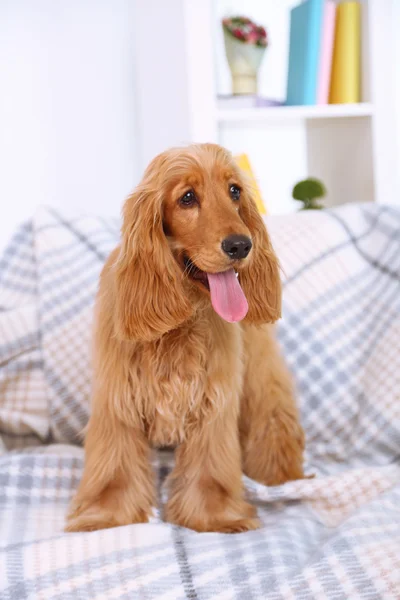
(336, 536)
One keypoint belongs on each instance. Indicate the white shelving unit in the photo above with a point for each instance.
(329, 111)
(352, 148)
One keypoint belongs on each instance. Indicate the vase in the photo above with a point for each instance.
(244, 61)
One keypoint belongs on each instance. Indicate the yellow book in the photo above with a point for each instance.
(244, 164)
(346, 65)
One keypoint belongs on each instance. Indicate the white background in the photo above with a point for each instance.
(67, 106)
(68, 127)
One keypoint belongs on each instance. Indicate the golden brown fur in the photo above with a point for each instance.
(169, 371)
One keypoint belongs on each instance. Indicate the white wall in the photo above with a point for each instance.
(396, 66)
(67, 106)
(174, 75)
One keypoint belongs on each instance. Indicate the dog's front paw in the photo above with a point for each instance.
(234, 526)
(96, 517)
(237, 516)
(220, 525)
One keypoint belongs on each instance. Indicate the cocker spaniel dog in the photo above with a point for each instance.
(185, 354)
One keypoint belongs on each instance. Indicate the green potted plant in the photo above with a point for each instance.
(308, 192)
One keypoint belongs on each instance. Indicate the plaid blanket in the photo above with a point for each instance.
(336, 536)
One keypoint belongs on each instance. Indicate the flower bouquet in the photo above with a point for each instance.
(245, 44)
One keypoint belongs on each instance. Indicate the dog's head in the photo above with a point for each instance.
(191, 229)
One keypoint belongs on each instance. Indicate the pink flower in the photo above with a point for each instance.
(252, 37)
(245, 30)
(238, 33)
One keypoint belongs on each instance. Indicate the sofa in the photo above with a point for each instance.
(335, 535)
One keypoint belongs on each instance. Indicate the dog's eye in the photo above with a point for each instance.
(234, 191)
(188, 199)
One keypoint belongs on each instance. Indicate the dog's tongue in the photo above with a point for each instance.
(227, 296)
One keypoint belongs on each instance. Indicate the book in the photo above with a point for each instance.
(326, 52)
(245, 101)
(346, 66)
(243, 163)
(304, 52)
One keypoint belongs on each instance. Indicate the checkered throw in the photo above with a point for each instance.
(336, 536)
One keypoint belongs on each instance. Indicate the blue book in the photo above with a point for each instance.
(305, 44)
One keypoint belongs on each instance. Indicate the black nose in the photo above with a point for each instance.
(237, 246)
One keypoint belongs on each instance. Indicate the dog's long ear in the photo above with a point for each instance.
(260, 281)
(150, 299)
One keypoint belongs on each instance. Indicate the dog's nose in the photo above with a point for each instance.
(236, 246)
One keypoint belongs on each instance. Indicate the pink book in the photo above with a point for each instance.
(325, 61)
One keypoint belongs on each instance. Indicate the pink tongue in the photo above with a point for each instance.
(227, 296)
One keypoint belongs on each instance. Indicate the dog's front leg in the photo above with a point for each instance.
(206, 492)
(117, 483)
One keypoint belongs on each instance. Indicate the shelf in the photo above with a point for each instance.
(328, 111)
